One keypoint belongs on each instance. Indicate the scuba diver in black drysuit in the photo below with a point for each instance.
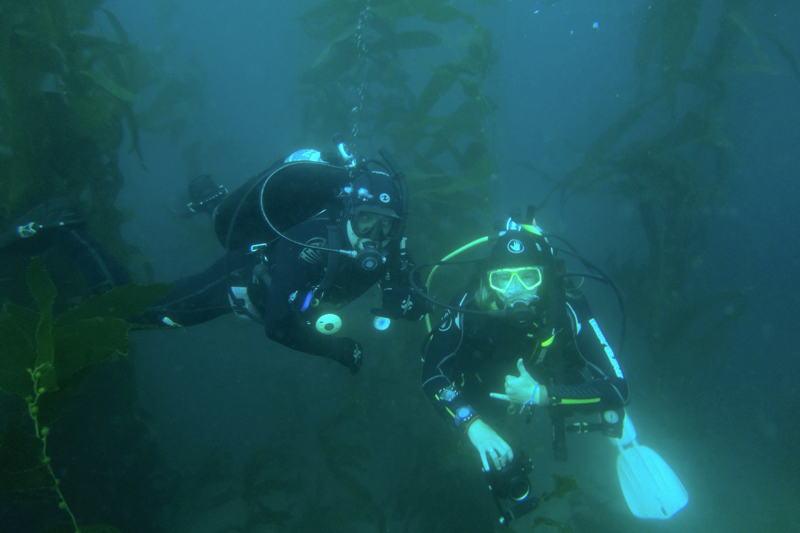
(303, 238)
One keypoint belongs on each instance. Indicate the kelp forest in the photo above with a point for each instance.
(67, 94)
(668, 152)
(77, 95)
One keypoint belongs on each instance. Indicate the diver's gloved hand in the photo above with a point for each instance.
(523, 389)
(349, 353)
(488, 442)
(52, 214)
(400, 302)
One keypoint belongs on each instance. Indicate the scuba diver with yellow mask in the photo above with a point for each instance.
(518, 337)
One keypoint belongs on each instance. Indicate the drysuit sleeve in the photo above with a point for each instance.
(607, 387)
(441, 374)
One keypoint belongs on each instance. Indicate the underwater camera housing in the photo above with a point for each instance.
(511, 488)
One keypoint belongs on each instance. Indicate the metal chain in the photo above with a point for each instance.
(361, 48)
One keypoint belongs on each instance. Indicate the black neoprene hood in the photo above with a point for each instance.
(517, 249)
(376, 192)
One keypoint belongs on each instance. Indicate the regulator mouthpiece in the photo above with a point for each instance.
(369, 258)
(521, 314)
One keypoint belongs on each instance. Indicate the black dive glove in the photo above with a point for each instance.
(400, 301)
(349, 353)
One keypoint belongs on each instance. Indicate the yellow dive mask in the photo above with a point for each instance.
(529, 278)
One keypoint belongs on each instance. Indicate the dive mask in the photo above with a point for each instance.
(515, 280)
(370, 224)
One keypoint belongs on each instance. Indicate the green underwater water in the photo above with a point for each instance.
(333, 453)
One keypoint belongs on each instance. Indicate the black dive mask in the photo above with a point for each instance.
(376, 226)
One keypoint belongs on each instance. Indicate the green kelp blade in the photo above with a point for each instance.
(122, 35)
(34, 478)
(133, 126)
(338, 57)
(17, 349)
(121, 302)
(481, 55)
(21, 467)
(443, 79)
(96, 116)
(85, 343)
(111, 86)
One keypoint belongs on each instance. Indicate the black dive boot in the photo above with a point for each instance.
(53, 214)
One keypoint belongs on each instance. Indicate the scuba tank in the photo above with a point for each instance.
(289, 192)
